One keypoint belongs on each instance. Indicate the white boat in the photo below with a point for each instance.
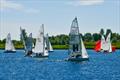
(40, 49)
(77, 51)
(9, 47)
(49, 46)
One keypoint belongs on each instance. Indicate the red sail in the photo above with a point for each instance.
(98, 46)
(113, 48)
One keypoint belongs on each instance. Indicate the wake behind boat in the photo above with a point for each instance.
(77, 51)
(40, 49)
(9, 47)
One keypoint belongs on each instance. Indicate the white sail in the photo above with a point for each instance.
(39, 41)
(84, 52)
(50, 47)
(45, 50)
(9, 45)
(103, 43)
(109, 42)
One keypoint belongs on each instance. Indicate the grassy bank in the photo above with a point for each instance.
(88, 45)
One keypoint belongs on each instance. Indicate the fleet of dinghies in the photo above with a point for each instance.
(42, 46)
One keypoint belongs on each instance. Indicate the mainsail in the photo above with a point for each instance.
(9, 45)
(45, 50)
(39, 42)
(40, 46)
(74, 38)
(103, 42)
(29, 43)
(109, 42)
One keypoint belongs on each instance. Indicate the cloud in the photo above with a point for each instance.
(4, 4)
(85, 2)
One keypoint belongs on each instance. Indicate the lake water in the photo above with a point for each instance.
(99, 67)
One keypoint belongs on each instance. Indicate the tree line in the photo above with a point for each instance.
(63, 39)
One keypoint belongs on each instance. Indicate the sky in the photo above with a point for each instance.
(57, 16)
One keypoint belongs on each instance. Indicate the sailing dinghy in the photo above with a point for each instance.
(27, 42)
(40, 49)
(9, 47)
(29, 45)
(104, 45)
(77, 51)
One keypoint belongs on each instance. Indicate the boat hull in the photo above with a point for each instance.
(104, 51)
(29, 53)
(39, 55)
(9, 51)
(50, 51)
(78, 59)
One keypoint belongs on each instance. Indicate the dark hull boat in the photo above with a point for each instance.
(40, 56)
(78, 59)
(9, 51)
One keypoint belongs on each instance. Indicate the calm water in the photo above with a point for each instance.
(99, 67)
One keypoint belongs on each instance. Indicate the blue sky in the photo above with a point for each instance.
(57, 16)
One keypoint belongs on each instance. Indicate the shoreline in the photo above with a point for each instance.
(54, 48)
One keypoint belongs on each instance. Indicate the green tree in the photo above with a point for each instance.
(96, 36)
(88, 37)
